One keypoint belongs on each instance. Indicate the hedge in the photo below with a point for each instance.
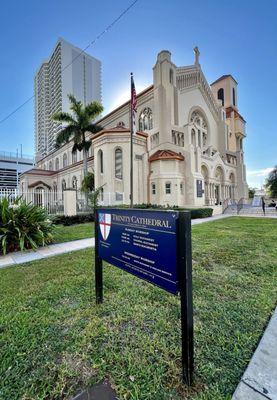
(73, 219)
(89, 217)
(203, 212)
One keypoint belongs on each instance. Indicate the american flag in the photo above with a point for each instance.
(133, 104)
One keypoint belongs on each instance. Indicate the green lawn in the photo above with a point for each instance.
(54, 340)
(73, 232)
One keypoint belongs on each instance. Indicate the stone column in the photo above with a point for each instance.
(70, 202)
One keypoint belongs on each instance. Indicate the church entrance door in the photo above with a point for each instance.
(217, 196)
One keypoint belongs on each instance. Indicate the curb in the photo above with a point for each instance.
(259, 381)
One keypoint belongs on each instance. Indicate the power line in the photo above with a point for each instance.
(75, 58)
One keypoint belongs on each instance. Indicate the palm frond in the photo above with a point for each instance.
(77, 146)
(93, 109)
(86, 144)
(75, 105)
(65, 135)
(94, 128)
(63, 117)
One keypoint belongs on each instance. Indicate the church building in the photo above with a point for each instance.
(188, 148)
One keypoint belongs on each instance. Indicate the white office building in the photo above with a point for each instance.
(68, 70)
(12, 165)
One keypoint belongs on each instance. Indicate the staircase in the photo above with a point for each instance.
(249, 210)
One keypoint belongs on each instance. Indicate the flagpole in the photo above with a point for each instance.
(131, 150)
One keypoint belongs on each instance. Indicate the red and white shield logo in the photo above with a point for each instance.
(105, 225)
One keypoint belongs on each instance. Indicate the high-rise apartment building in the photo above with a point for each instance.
(68, 70)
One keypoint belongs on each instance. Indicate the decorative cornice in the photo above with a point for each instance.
(117, 129)
(166, 155)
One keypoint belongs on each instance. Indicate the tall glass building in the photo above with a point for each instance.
(68, 70)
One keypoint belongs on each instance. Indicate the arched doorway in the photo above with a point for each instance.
(39, 196)
(219, 185)
(232, 187)
(205, 174)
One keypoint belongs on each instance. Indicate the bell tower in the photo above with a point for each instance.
(165, 95)
(225, 91)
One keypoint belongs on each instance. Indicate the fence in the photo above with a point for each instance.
(53, 201)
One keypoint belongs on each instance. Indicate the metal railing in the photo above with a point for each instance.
(50, 200)
(53, 200)
(240, 204)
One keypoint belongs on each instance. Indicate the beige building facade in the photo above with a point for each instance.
(188, 149)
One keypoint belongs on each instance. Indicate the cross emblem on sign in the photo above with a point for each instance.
(105, 225)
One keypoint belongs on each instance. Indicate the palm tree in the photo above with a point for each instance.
(77, 124)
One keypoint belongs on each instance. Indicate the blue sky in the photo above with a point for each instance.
(238, 37)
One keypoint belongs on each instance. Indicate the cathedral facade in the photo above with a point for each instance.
(188, 148)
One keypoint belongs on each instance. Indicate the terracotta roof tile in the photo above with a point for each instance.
(37, 183)
(39, 171)
(166, 155)
(117, 129)
(237, 114)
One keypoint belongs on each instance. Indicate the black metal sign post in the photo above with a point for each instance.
(98, 262)
(184, 265)
(183, 281)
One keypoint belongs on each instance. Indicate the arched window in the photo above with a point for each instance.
(64, 160)
(55, 191)
(63, 186)
(74, 157)
(74, 182)
(102, 194)
(171, 75)
(118, 165)
(234, 97)
(193, 139)
(57, 164)
(100, 161)
(146, 119)
(220, 95)
(50, 166)
(201, 127)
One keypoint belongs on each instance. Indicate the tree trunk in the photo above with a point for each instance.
(85, 162)
(85, 169)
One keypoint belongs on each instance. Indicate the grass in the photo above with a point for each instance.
(54, 340)
(73, 232)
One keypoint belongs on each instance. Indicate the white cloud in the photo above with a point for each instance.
(257, 177)
(259, 172)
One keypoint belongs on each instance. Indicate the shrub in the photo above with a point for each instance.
(73, 219)
(201, 212)
(89, 217)
(195, 212)
(23, 226)
(88, 182)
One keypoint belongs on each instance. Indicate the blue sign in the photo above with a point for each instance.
(143, 243)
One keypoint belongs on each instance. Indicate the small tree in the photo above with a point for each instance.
(271, 182)
(251, 193)
(88, 183)
(94, 197)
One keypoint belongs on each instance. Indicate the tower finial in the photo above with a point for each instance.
(196, 55)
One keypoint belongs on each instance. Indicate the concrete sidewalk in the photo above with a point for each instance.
(21, 257)
(259, 381)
